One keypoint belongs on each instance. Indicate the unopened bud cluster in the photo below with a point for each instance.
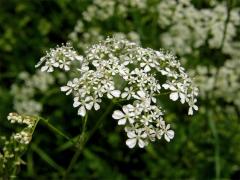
(24, 136)
(12, 148)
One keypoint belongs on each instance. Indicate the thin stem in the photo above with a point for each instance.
(86, 138)
(80, 147)
(98, 123)
(49, 93)
(213, 128)
(52, 128)
(165, 93)
(229, 8)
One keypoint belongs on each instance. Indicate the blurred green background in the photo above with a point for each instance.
(205, 36)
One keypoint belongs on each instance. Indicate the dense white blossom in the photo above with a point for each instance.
(122, 70)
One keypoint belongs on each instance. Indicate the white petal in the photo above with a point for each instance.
(116, 93)
(89, 98)
(195, 107)
(130, 107)
(56, 64)
(166, 138)
(124, 95)
(172, 88)
(183, 98)
(190, 111)
(142, 64)
(69, 92)
(141, 143)
(76, 103)
(65, 88)
(147, 68)
(131, 120)
(44, 68)
(154, 100)
(174, 96)
(165, 86)
(131, 134)
(76, 98)
(122, 121)
(136, 97)
(131, 143)
(117, 114)
(50, 69)
(164, 72)
(96, 106)
(82, 111)
(89, 106)
(79, 58)
(66, 68)
(40, 62)
(144, 135)
(70, 83)
(109, 96)
(141, 94)
(170, 134)
(125, 109)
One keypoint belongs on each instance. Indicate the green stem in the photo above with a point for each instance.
(52, 128)
(98, 123)
(80, 147)
(86, 138)
(165, 93)
(213, 128)
(49, 93)
(229, 8)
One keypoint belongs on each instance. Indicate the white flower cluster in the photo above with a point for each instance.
(117, 68)
(59, 57)
(222, 83)
(104, 10)
(24, 136)
(189, 28)
(24, 93)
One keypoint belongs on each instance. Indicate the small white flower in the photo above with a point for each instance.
(146, 120)
(70, 86)
(126, 115)
(178, 92)
(128, 93)
(136, 137)
(168, 72)
(111, 92)
(192, 106)
(168, 134)
(48, 66)
(147, 65)
(96, 102)
(63, 64)
(141, 95)
(84, 104)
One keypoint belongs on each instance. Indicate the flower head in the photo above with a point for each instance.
(123, 71)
